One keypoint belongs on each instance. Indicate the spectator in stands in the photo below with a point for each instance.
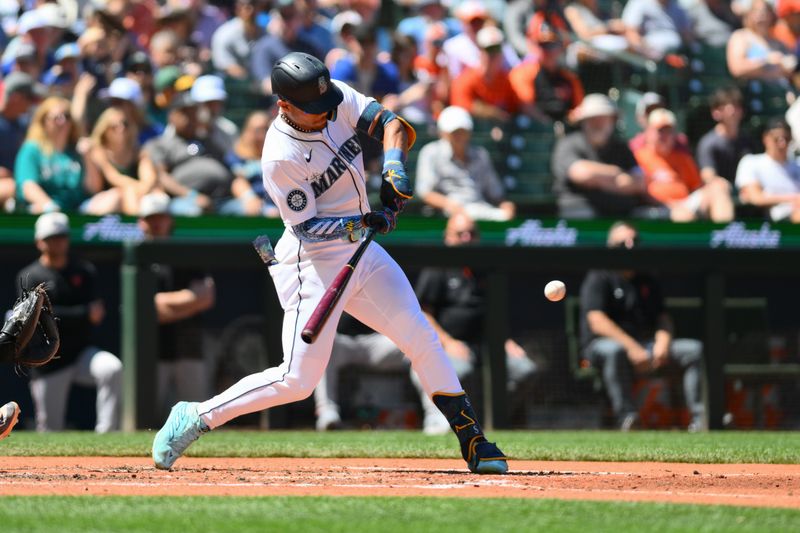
(672, 177)
(752, 51)
(62, 77)
(655, 28)
(593, 27)
(772, 180)
(190, 168)
(363, 70)
(720, 150)
(24, 60)
(486, 90)
(415, 93)
(206, 18)
(48, 170)
(463, 50)
(314, 28)
(454, 301)
(713, 21)
(431, 66)
(283, 38)
(233, 42)
(428, 13)
(244, 161)
(139, 69)
(164, 47)
(163, 90)
(126, 95)
(595, 173)
(115, 156)
(547, 89)
(20, 92)
(181, 297)
(454, 175)
(516, 17)
(648, 103)
(626, 331)
(209, 93)
(37, 30)
(73, 290)
(787, 28)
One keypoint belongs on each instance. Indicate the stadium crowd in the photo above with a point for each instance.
(106, 101)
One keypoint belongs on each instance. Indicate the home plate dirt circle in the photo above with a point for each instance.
(731, 484)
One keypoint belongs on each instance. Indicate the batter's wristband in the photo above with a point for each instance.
(392, 157)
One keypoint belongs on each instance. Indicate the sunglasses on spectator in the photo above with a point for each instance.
(58, 118)
(122, 124)
(493, 50)
(438, 43)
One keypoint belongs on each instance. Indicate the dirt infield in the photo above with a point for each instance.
(750, 485)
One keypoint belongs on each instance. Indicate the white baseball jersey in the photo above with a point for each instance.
(318, 174)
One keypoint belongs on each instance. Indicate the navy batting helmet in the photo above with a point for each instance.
(304, 81)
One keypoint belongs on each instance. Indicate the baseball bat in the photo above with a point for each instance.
(323, 310)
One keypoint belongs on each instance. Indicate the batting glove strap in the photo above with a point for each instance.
(382, 221)
(321, 229)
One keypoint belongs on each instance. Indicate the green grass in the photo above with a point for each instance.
(720, 447)
(387, 515)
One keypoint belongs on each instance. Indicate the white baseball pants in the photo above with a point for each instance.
(93, 367)
(379, 295)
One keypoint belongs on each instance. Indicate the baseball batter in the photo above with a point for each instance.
(313, 170)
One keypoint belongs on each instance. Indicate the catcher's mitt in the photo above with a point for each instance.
(30, 335)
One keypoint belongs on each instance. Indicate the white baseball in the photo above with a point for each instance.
(555, 290)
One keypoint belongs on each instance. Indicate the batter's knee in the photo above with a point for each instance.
(298, 389)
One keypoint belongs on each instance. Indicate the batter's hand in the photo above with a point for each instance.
(382, 221)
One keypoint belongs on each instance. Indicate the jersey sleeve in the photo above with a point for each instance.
(285, 183)
(353, 104)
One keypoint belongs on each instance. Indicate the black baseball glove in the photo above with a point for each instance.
(29, 337)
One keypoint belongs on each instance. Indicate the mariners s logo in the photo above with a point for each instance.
(297, 200)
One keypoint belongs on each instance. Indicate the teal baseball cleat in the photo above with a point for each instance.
(183, 427)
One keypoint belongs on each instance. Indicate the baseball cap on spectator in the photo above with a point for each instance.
(490, 37)
(31, 20)
(155, 203)
(166, 77)
(51, 225)
(208, 88)
(53, 15)
(20, 82)
(67, 51)
(471, 10)
(25, 51)
(454, 118)
(126, 89)
(594, 105)
(138, 61)
(660, 118)
(344, 19)
(647, 103)
(182, 100)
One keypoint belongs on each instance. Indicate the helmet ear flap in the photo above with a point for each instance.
(333, 113)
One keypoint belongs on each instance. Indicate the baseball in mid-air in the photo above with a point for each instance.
(555, 290)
